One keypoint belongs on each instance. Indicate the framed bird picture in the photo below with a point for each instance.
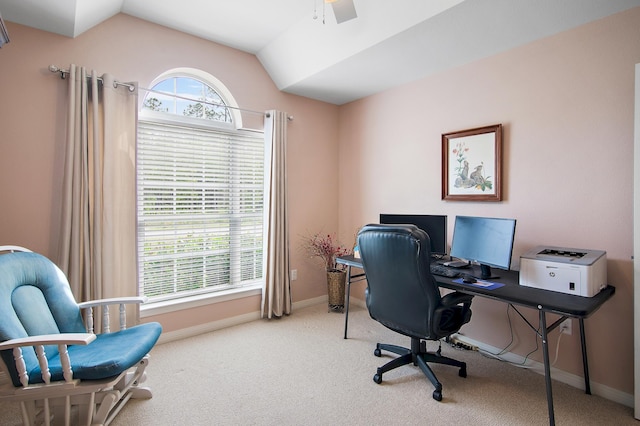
(472, 164)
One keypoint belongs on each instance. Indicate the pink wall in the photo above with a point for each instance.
(566, 104)
(32, 123)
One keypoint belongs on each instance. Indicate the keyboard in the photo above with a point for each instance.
(445, 271)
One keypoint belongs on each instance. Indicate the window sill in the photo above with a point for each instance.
(167, 306)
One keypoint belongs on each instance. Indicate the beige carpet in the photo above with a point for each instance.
(300, 371)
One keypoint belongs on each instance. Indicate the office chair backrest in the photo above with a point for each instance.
(401, 292)
(35, 299)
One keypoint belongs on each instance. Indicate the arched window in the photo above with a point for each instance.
(189, 92)
(189, 97)
(200, 190)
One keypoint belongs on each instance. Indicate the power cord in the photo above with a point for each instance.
(558, 346)
(523, 363)
(499, 356)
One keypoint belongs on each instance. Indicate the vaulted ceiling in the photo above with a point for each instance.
(306, 52)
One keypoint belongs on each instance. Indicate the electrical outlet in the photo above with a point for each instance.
(565, 326)
(294, 274)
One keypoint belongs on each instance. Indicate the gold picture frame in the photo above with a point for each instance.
(472, 164)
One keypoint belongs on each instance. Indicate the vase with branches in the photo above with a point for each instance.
(327, 248)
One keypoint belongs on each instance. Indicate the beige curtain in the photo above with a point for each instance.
(276, 294)
(98, 230)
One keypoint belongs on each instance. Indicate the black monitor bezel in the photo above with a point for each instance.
(413, 219)
(483, 263)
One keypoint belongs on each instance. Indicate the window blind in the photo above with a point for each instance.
(200, 209)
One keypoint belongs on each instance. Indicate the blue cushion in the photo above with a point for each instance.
(109, 355)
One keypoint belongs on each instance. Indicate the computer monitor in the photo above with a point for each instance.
(434, 225)
(488, 241)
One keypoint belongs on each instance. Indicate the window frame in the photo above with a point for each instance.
(206, 78)
(204, 297)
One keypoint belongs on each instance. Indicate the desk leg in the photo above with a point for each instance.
(346, 315)
(547, 369)
(585, 365)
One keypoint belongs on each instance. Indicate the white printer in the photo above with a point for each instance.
(566, 270)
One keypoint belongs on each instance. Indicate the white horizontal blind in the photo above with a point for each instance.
(200, 209)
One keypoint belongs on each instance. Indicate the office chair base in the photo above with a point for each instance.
(419, 356)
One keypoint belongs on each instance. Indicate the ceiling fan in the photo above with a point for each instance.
(344, 10)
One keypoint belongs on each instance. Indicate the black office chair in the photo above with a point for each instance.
(403, 296)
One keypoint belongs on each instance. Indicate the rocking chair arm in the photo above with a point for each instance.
(112, 301)
(39, 342)
(104, 305)
(49, 339)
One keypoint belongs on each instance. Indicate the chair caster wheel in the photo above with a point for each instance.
(437, 395)
(378, 378)
(377, 352)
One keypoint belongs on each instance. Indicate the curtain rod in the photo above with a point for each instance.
(132, 87)
(116, 83)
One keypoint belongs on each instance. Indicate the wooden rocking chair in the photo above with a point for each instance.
(57, 367)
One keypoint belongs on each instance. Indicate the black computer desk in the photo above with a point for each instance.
(545, 301)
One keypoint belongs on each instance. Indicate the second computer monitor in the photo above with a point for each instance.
(486, 240)
(434, 225)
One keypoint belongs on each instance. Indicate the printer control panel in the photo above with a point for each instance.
(563, 253)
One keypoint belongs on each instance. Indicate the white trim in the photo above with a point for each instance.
(183, 303)
(228, 322)
(604, 391)
(636, 243)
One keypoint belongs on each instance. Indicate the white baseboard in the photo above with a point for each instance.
(171, 336)
(557, 374)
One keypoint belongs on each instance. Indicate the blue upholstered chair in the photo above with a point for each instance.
(58, 367)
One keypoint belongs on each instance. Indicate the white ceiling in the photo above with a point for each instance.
(306, 52)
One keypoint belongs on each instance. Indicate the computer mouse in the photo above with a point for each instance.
(468, 279)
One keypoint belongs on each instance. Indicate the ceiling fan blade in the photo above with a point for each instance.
(344, 10)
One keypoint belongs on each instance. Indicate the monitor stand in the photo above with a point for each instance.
(485, 272)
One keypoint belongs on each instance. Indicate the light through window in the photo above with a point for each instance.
(188, 97)
(200, 194)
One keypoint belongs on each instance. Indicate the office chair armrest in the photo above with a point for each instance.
(453, 312)
(456, 298)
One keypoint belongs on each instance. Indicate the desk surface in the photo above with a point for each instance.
(512, 292)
